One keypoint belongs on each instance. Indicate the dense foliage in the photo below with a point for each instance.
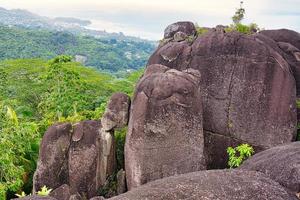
(34, 94)
(108, 55)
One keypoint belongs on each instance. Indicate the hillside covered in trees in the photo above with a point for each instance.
(36, 93)
(109, 55)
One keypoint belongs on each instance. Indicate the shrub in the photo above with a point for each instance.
(239, 154)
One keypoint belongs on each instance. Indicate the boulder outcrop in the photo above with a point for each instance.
(200, 94)
(281, 163)
(52, 167)
(211, 185)
(36, 197)
(248, 89)
(187, 28)
(165, 134)
(78, 158)
(73, 160)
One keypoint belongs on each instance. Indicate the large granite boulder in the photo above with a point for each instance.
(289, 42)
(248, 89)
(211, 185)
(117, 112)
(61, 193)
(281, 163)
(77, 159)
(165, 133)
(36, 197)
(52, 166)
(284, 35)
(69, 155)
(116, 116)
(83, 158)
(187, 28)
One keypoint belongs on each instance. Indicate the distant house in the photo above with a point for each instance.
(81, 59)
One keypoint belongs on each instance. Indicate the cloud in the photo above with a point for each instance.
(149, 18)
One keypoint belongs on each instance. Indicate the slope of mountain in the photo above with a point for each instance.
(104, 54)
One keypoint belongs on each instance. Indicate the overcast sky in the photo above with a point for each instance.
(148, 18)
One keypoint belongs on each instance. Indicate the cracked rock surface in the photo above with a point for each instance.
(77, 159)
(248, 88)
(165, 134)
(281, 163)
(211, 185)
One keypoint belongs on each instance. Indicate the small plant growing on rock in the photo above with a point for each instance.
(237, 22)
(44, 191)
(239, 154)
(21, 195)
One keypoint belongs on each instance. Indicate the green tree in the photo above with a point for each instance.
(18, 153)
(239, 14)
(66, 93)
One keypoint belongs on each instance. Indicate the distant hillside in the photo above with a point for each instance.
(26, 19)
(105, 54)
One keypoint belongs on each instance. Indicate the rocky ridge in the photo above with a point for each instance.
(200, 93)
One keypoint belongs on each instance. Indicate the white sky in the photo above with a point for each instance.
(148, 19)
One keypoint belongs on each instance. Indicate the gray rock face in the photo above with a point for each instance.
(117, 112)
(97, 198)
(76, 197)
(52, 167)
(180, 36)
(83, 159)
(284, 35)
(248, 90)
(71, 155)
(289, 42)
(185, 27)
(61, 193)
(35, 197)
(281, 164)
(76, 160)
(121, 182)
(213, 184)
(116, 116)
(165, 128)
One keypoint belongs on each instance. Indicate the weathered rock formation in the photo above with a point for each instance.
(116, 116)
(186, 28)
(281, 164)
(77, 159)
(289, 42)
(85, 149)
(211, 185)
(70, 158)
(247, 86)
(36, 197)
(165, 134)
(52, 167)
(61, 193)
(199, 94)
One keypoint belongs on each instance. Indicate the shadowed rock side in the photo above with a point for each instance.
(83, 161)
(289, 42)
(69, 155)
(281, 164)
(165, 134)
(213, 184)
(61, 193)
(248, 90)
(116, 116)
(186, 28)
(36, 197)
(76, 160)
(52, 166)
